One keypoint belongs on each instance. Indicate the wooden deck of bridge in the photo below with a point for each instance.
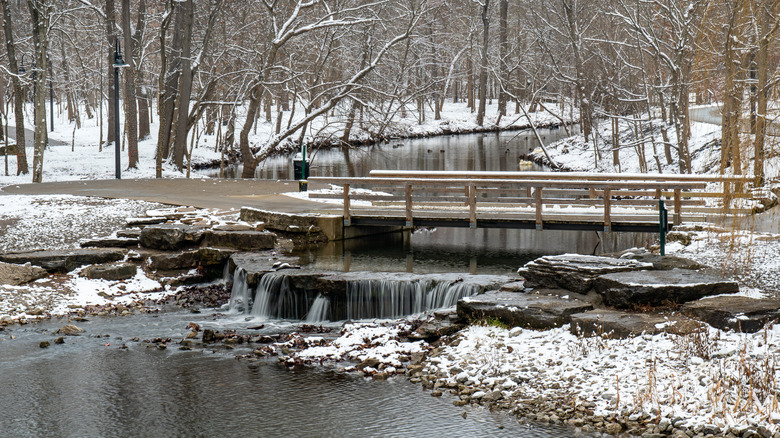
(532, 200)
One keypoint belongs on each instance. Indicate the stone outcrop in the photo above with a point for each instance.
(240, 240)
(257, 264)
(654, 288)
(16, 275)
(534, 311)
(737, 313)
(144, 221)
(171, 236)
(64, 260)
(110, 242)
(574, 272)
(110, 271)
(184, 260)
(616, 324)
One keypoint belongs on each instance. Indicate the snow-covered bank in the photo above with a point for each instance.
(82, 158)
(708, 383)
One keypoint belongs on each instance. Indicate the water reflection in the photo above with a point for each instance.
(490, 152)
(88, 387)
(475, 251)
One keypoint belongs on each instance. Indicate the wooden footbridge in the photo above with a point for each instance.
(535, 200)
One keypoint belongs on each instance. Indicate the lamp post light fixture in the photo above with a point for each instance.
(21, 66)
(118, 63)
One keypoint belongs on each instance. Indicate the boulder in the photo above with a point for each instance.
(738, 313)
(257, 264)
(539, 312)
(170, 236)
(654, 288)
(64, 260)
(214, 256)
(173, 261)
(70, 330)
(574, 272)
(110, 242)
(110, 271)
(20, 274)
(240, 240)
(617, 324)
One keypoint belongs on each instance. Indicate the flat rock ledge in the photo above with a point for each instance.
(64, 260)
(627, 290)
(110, 271)
(540, 312)
(16, 275)
(575, 272)
(616, 324)
(737, 313)
(110, 242)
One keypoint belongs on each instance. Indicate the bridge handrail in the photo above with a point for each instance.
(448, 174)
(534, 189)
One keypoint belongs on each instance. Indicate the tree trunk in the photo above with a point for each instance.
(483, 65)
(503, 45)
(131, 108)
(111, 38)
(21, 153)
(142, 92)
(170, 79)
(185, 86)
(768, 12)
(39, 15)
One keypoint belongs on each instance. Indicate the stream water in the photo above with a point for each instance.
(91, 387)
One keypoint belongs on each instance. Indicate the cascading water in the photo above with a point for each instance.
(276, 298)
(241, 293)
(392, 298)
(319, 309)
(285, 295)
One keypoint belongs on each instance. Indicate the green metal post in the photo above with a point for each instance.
(303, 184)
(662, 225)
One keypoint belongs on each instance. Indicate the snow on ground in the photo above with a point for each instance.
(59, 222)
(81, 158)
(725, 379)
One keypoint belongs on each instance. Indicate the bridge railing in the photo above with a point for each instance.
(480, 195)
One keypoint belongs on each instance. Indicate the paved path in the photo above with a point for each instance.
(201, 193)
(29, 137)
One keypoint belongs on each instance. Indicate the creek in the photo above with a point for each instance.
(92, 386)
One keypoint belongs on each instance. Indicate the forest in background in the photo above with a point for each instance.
(365, 64)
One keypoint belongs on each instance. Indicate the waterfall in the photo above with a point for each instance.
(276, 298)
(285, 295)
(241, 293)
(393, 298)
(319, 309)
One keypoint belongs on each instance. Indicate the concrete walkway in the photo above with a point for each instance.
(200, 193)
(29, 137)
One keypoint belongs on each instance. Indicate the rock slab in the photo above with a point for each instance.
(655, 288)
(64, 260)
(539, 312)
(16, 275)
(118, 242)
(574, 272)
(240, 240)
(170, 236)
(616, 324)
(110, 271)
(737, 313)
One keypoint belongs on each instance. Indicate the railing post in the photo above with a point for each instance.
(472, 206)
(663, 219)
(347, 217)
(677, 207)
(538, 202)
(409, 205)
(607, 210)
